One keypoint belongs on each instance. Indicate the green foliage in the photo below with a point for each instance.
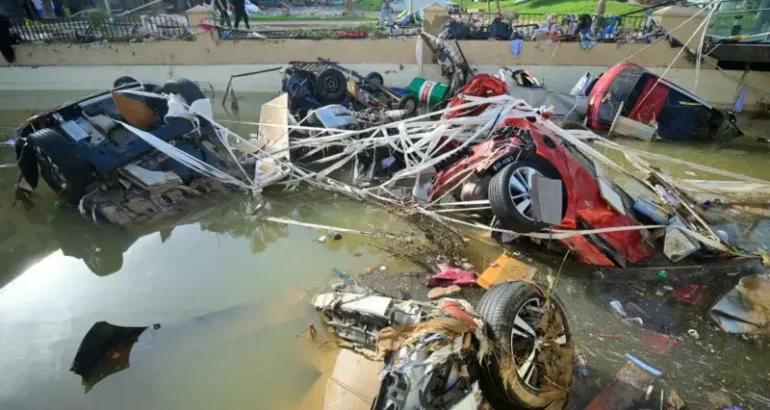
(98, 17)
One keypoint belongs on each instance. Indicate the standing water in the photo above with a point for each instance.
(224, 295)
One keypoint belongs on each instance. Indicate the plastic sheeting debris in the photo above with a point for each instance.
(745, 308)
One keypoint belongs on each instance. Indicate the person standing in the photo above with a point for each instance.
(6, 40)
(386, 12)
(224, 18)
(240, 13)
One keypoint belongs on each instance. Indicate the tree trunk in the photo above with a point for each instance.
(498, 7)
(349, 7)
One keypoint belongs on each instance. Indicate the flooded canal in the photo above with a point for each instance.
(224, 296)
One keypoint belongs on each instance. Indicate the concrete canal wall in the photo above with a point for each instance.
(211, 62)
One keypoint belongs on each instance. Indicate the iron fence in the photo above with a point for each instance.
(564, 25)
(86, 30)
(365, 32)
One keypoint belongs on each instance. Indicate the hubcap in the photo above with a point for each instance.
(330, 84)
(519, 187)
(527, 341)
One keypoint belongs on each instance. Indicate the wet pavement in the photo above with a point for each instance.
(228, 292)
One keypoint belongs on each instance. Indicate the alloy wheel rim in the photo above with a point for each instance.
(527, 341)
(330, 84)
(520, 187)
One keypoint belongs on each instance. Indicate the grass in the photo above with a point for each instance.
(310, 17)
(529, 6)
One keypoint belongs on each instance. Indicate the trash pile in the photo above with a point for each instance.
(497, 153)
(471, 153)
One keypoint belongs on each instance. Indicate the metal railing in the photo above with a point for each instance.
(738, 23)
(527, 25)
(87, 30)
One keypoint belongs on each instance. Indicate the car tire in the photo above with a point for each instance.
(125, 80)
(502, 308)
(185, 88)
(509, 202)
(61, 166)
(376, 78)
(330, 86)
(408, 103)
(300, 84)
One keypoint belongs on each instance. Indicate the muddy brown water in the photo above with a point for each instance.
(229, 294)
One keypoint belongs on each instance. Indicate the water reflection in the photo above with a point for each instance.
(107, 350)
(101, 247)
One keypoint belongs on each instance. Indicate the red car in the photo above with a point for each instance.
(631, 91)
(502, 169)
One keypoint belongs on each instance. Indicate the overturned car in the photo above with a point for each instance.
(131, 154)
(628, 91)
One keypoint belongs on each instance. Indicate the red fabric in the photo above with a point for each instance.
(452, 276)
(481, 85)
(647, 109)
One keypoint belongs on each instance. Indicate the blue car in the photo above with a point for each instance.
(88, 156)
(312, 85)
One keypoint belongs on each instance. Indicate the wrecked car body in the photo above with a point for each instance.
(134, 153)
(447, 355)
(312, 85)
(627, 91)
(495, 159)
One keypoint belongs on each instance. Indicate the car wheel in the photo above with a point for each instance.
(300, 84)
(60, 164)
(125, 80)
(532, 348)
(374, 78)
(509, 194)
(330, 86)
(408, 103)
(185, 88)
